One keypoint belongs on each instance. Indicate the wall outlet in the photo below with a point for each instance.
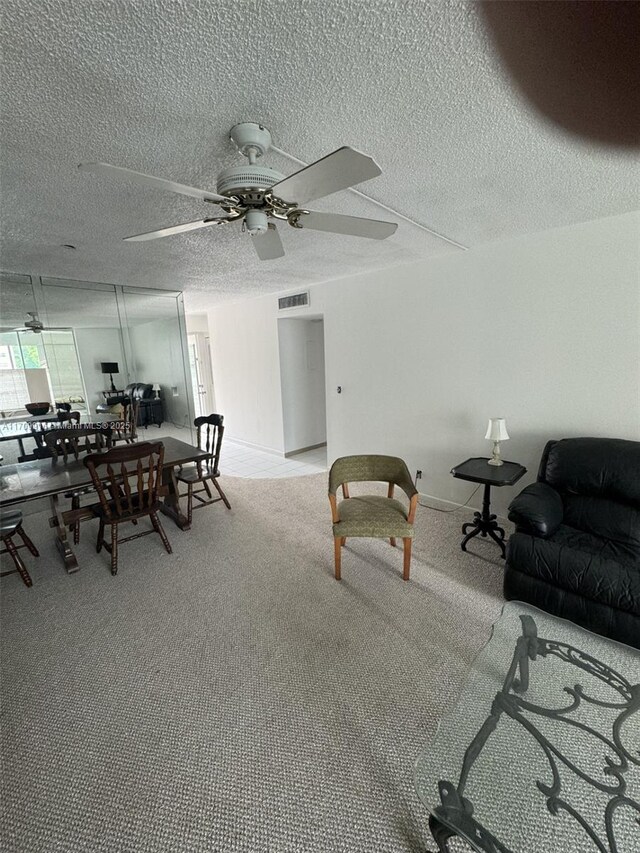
(174, 390)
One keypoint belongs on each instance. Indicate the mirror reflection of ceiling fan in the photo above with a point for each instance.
(255, 194)
(31, 325)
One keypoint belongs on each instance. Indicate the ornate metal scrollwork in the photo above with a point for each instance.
(455, 815)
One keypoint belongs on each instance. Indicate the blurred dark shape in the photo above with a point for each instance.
(577, 61)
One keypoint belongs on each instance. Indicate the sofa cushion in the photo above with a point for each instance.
(599, 467)
(604, 518)
(593, 567)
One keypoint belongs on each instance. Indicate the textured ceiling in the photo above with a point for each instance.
(83, 305)
(155, 85)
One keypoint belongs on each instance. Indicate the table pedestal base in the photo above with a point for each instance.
(62, 543)
(484, 524)
(171, 504)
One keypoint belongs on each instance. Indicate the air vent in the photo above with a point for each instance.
(295, 301)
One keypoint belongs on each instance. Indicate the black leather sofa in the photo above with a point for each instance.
(576, 549)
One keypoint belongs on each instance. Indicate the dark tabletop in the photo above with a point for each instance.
(43, 477)
(478, 470)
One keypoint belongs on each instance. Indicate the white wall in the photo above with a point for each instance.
(157, 357)
(94, 346)
(196, 323)
(246, 371)
(302, 379)
(543, 330)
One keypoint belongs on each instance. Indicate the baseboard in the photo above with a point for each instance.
(448, 505)
(261, 447)
(304, 449)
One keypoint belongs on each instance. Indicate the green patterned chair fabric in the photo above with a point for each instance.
(372, 515)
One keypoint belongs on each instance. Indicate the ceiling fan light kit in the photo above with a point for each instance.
(256, 193)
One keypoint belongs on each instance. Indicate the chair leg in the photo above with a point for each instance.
(27, 541)
(337, 545)
(114, 549)
(160, 531)
(407, 557)
(222, 494)
(20, 566)
(190, 503)
(206, 488)
(100, 536)
(75, 504)
(393, 541)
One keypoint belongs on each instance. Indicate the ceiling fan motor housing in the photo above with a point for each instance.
(247, 182)
(256, 222)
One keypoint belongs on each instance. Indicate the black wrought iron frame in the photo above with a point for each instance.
(454, 817)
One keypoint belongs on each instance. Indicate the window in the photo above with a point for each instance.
(35, 367)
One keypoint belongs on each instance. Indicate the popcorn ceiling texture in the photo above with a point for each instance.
(155, 85)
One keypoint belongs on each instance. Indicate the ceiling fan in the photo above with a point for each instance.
(32, 325)
(254, 194)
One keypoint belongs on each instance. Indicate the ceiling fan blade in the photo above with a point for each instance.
(268, 245)
(355, 226)
(179, 229)
(337, 171)
(150, 181)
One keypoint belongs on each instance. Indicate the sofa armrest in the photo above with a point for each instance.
(537, 510)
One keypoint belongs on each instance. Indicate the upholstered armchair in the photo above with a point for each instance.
(372, 516)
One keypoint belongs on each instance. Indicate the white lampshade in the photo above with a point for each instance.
(497, 430)
(156, 386)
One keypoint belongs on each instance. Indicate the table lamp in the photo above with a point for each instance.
(156, 387)
(496, 432)
(110, 367)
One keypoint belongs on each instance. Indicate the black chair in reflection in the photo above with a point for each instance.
(210, 430)
(39, 430)
(69, 445)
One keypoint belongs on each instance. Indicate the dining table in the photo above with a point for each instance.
(51, 478)
(17, 429)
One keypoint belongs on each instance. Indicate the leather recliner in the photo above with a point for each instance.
(134, 392)
(137, 391)
(576, 549)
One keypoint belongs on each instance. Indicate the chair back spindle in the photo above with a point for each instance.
(209, 430)
(74, 441)
(113, 471)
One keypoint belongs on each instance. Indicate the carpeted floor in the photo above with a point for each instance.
(234, 696)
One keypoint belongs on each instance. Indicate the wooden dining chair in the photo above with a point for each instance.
(69, 444)
(39, 430)
(10, 525)
(209, 432)
(372, 516)
(126, 430)
(120, 502)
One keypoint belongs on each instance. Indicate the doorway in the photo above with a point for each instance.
(201, 373)
(302, 380)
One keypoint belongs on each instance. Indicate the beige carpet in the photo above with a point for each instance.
(234, 696)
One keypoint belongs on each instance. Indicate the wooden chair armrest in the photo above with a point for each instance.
(413, 504)
(335, 515)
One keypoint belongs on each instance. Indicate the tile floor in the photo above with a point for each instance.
(237, 460)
